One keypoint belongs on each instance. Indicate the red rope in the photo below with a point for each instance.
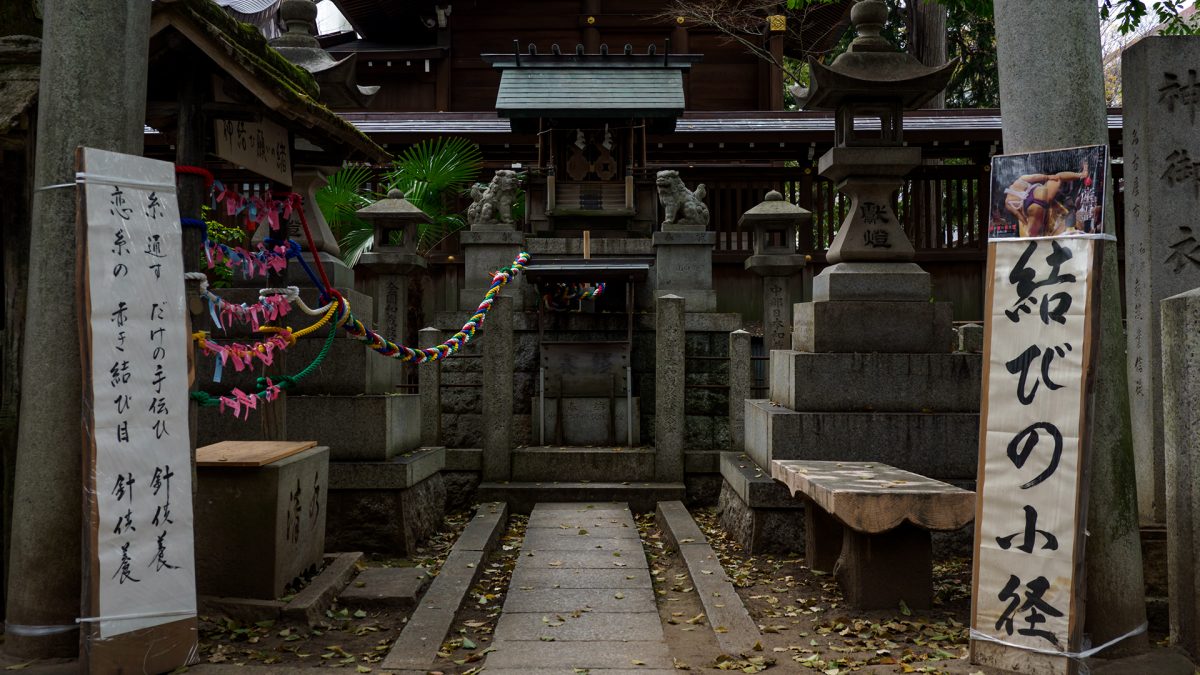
(298, 205)
(196, 171)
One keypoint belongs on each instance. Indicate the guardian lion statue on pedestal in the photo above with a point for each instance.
(492, 204)
(681, 206)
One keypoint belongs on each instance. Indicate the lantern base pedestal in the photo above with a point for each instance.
(890, 281)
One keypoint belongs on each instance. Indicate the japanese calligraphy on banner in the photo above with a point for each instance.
(1032, 487)
(263, 147)
(138, 493)
(1047, 194)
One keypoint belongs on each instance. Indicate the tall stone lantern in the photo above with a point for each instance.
(387, 267)
(873, 280)
(775, 221)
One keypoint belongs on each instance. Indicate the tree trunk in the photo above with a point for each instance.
(927, 38)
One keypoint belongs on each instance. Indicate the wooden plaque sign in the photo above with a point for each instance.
(263, 147)
(139, 609)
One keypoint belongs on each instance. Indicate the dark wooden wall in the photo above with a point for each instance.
(447, 74)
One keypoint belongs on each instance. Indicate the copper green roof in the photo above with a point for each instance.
(584, 92)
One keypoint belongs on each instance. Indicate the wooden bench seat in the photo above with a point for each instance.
(870, 524)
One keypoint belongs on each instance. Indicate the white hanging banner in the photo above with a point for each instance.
(138, 475)
(1038, 366)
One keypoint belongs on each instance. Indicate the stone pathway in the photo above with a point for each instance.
(580, 598)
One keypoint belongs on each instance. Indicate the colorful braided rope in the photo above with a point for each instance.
(386, 347)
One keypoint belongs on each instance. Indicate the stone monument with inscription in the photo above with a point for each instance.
(1162, 234)
(871, 355)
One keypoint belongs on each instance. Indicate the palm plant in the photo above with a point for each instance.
(433, 174)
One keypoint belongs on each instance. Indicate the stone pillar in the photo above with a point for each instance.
(683, 267)
(1181, 430)
(498, 390)
(1029, 35)
(386, 274)
(429, 386)
(741, 372)
(1160, 236)
(668, 388)
(76, 83)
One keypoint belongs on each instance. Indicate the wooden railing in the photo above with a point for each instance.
(942, 208)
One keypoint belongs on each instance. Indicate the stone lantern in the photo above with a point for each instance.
(775, 221)
(387, 267)
(869, 87)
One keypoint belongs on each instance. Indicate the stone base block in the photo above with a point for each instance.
(818, 382)
(895, 282)
(944, 446)
(760, 530)
(579, 464)
(879, 571)
(587, 421)
(873, 326)
(399, 473)
(385, 588)
(258, 528)
(372, 427)
(388, 521)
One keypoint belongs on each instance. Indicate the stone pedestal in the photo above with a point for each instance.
(1181, 431)
(485, 251)
(258, 528)
(683, 267)
(387, 507)
(893, 297)
(1161, 237)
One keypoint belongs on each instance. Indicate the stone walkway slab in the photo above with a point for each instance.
(558, 600)
(600, 560)
(385, 587)
(568, 608)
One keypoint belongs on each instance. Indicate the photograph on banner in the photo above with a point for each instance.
(1047, 194)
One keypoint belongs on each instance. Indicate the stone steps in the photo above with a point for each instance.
(540, 464)
(521, 497)
(944, 446)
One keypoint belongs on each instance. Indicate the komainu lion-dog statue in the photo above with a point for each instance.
(492, 204)
(681, 206)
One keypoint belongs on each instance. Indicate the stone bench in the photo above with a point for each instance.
(260, 510)
(870, 523)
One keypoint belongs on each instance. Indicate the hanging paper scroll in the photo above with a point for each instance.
(140, 589)
(1038, 355)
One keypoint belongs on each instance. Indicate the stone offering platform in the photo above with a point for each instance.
(870, 523)
(580, 597)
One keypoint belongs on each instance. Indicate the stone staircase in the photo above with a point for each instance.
(584, 474)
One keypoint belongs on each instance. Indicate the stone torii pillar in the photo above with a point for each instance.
(93, 93)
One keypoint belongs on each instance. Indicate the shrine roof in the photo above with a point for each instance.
(558, 92)
(240, 51)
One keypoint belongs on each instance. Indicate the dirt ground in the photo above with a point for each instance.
(806, 628)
